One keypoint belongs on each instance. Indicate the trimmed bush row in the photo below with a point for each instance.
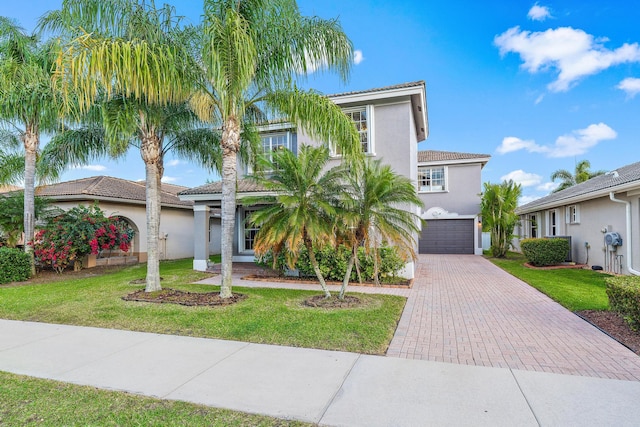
(542, 252)
(624, 297)
(333, 263)
(14, 265)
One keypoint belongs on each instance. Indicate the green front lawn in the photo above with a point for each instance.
(575, 289)
(32, 401)
(270, 316)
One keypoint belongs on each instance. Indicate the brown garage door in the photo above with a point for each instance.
(447, 236)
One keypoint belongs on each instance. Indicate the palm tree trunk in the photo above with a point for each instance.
(150, 152)
(230, 146)
(347, 276)
(316, 268)
(31, 142)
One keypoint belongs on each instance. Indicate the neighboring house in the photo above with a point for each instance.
(601, 217)
(127, 200)
(9, 188)
(391, 121)
(450, 185)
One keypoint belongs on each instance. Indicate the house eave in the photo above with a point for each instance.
(217, 197)
(481, 160)
(90, 198)
(628, 187)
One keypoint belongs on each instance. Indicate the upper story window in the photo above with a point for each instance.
(573, 214)
(362, 117)
(431, 179)
(272, 142)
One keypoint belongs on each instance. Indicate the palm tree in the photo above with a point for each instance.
(251, 53)
(12, 215)
(378, 207)
(302, 210)
(581, 174)
(30, 105)
(498, 205)
(133, 57)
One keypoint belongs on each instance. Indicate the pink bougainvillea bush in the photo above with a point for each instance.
(79, 232)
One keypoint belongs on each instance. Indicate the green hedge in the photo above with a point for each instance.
(624, 297)
(333, 263)
(541, 252)
(15, 265)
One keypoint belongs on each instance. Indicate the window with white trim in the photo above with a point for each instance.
(573, 214)
(273, 142)
(533, 226)
(431, 179)
(250, 231)
(362, 117)
(552, 222)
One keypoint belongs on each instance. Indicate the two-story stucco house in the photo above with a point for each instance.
(391, 121)
(449, 185)
(601, 217)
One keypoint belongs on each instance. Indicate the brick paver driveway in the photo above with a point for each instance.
(463, 309)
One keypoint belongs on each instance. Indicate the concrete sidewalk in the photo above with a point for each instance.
(325, 387)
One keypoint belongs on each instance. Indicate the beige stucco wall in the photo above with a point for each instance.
(463, 190)
(175, 223)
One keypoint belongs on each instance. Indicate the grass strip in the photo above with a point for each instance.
(575, 289)
(33, 401)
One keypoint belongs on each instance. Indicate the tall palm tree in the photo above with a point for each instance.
(301, 211)
(582, 173)
(134, 57)
(30, 105)
(251, 53)
(378, 206)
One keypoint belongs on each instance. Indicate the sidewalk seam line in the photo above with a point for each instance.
(205, 370)
(328, 405)
(525, 397)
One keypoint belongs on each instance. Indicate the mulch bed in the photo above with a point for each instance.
(173, 296)
(320, 301)
(615, 326)
(556, 267)
(406, 284)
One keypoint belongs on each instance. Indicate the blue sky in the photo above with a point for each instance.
(538, 86)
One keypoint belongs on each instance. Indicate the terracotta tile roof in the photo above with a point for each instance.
(380, 89)
(440, 156)
(9, 188)
(244, 186)
(625, 175)
(107, 187)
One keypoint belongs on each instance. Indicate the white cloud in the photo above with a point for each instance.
(512, 143)
(169, 179)
(95, 168)
(527, 199)
(174, 162)
(539, 13)
(630, 85)
(357, 57)
(523, 178)
(539, 99)
(572, 53)
(576, 143)
(548, 186)
(581, 140)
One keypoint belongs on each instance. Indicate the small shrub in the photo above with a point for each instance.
(15, 265)
(541, 252)
(624, 297)
(333, 263)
